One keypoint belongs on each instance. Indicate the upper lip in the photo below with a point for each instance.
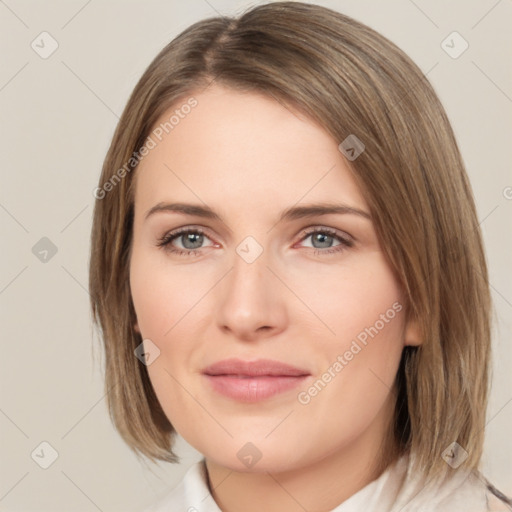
(258, 368)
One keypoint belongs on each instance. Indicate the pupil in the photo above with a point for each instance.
(323, 239)
(195, 243)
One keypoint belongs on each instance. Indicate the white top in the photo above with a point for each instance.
(396, 489)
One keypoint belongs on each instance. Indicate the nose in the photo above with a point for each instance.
(250, 301)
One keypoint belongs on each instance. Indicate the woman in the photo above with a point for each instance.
(288, 271)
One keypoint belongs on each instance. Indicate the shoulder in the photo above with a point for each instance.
(459, 491)
(496, 500)
(471, 493)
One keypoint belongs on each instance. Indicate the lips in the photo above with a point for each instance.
(252, 381)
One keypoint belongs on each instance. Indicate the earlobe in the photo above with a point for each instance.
(412, 335)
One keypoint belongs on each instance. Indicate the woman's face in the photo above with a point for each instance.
(261, 274)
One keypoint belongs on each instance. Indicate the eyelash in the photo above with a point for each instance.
(165, 241)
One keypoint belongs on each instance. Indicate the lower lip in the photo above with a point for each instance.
(253, 389)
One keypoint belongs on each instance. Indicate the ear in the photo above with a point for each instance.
(412, 335)
(136, 327)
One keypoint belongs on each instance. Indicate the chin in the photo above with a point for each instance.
(275, 463)
(256, 456)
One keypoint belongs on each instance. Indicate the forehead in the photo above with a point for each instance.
(242, 147)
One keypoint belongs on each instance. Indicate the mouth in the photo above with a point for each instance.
(253, 381)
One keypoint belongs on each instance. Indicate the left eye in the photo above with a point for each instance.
(322, 239)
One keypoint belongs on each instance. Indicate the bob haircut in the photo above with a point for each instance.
(351, 81)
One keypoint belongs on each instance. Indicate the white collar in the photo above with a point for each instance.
(395, 490)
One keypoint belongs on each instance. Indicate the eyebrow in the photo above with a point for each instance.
(293, 213)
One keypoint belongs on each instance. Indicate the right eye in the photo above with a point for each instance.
(191, 240)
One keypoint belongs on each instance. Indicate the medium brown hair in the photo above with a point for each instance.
(352, 81)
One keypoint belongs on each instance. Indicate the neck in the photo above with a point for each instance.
(318, 487)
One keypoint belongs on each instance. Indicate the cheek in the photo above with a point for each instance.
(360, 360)
(162, 295)
(171, 313)
(355, 385)
(350, 299)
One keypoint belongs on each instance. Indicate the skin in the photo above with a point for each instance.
(248, 158)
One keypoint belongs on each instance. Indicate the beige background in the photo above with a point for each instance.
(58, 115)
